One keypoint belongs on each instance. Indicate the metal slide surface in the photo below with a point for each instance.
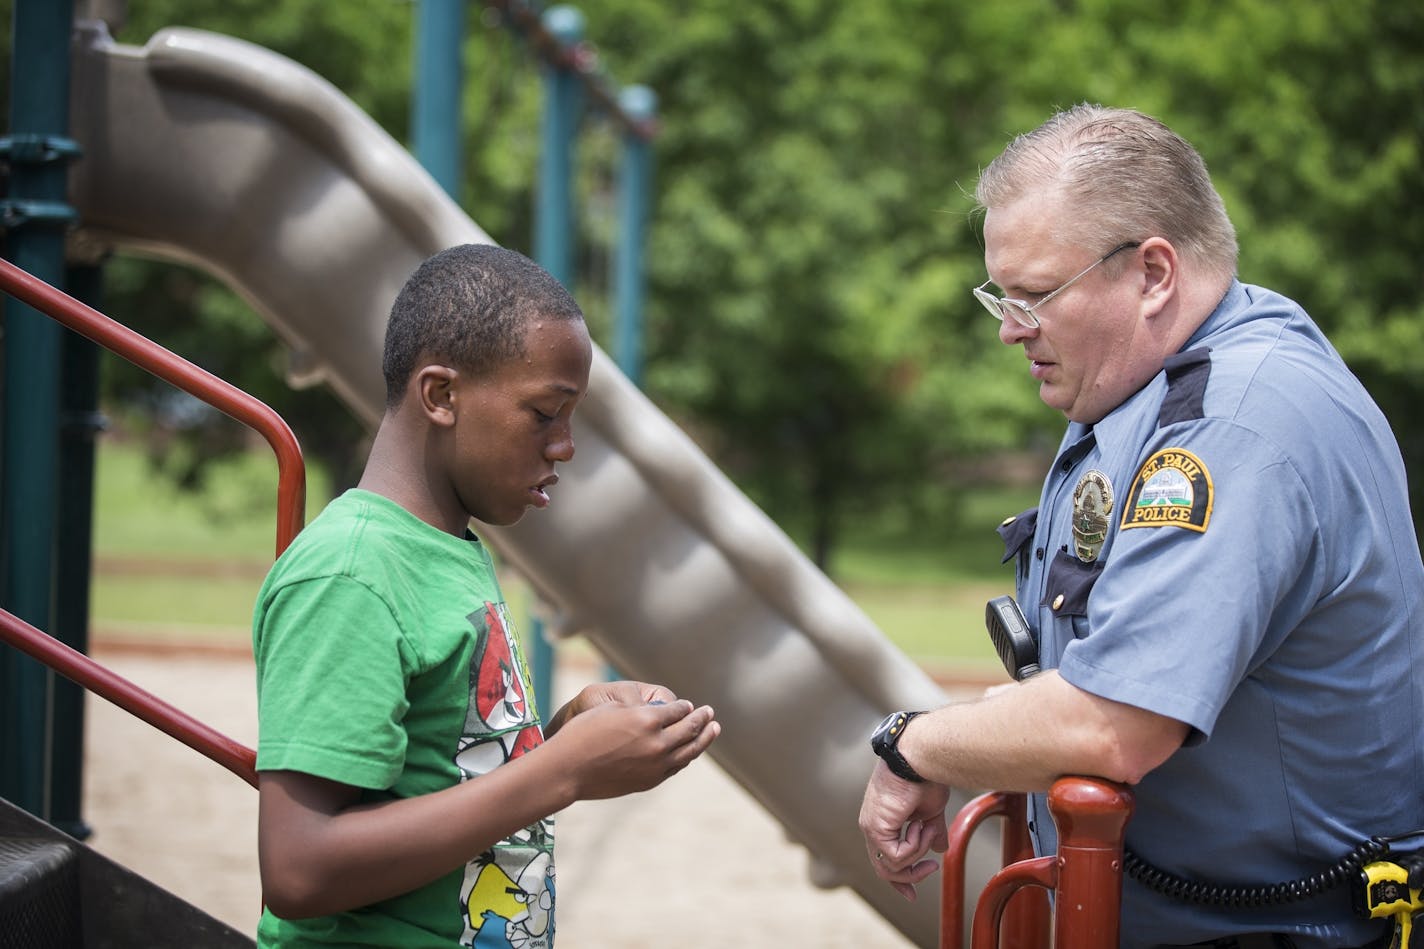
(210, 151)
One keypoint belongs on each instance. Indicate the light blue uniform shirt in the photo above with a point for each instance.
(1258, 579)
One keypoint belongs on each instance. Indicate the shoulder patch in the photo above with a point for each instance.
(1171, 489)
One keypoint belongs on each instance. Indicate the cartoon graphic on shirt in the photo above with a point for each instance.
(499, 683)
(513, 904)
(507, 894)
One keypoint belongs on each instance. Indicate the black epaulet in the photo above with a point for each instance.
(1187, 375)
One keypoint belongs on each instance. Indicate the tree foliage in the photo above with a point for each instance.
(835, 144)
(813, 236)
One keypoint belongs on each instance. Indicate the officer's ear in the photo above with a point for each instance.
(1158, 273)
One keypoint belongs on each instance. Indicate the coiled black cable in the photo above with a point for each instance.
(1221, 894)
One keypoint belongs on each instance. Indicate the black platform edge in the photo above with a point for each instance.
(117, 908)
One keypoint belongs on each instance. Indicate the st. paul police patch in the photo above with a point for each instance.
(1171, 489)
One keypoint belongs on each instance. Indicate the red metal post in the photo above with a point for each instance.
(1091, 816)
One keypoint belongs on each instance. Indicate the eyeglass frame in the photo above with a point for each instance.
(1022, 312)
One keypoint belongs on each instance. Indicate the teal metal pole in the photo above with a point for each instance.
(563, 103)
(554, 230)
(634, 190)
(80, 426)
(34, 213)
(435, 118)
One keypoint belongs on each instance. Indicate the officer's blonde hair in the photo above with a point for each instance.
(1123, 176)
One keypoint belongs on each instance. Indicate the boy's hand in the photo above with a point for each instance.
(618, 747)
(622, 692)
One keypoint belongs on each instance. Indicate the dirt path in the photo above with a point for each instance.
(694, 863)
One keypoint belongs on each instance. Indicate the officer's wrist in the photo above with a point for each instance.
(885, 742)
(908, 747)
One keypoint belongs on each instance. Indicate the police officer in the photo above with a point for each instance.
(1222, 572)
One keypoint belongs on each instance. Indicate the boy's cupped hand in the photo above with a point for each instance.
(624, 737)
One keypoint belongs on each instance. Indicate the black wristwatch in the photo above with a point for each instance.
(885, 741)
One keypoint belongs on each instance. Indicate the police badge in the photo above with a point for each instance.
(1092, 508)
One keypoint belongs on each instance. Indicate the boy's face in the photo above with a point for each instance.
(515, 423)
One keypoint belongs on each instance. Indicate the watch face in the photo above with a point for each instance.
(882, 731)
(884, 741)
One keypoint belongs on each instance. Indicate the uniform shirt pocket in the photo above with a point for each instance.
(1070, 580)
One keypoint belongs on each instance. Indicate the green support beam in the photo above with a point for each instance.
(34, 215)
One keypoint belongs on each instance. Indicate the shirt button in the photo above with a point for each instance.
(1058, 601)
(1038, 554)
(1008, 520)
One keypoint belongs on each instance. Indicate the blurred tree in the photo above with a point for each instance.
(813, 238)
(808, 249)
(1311, 117)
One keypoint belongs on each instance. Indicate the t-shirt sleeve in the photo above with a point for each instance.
(332, 669)
(1183, 612)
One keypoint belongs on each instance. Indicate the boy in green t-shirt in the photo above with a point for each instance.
(406, 781)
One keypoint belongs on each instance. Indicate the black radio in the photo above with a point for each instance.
(1008, 629)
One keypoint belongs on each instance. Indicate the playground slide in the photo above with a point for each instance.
(210, 151)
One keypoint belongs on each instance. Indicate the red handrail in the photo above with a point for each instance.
(174, 369)
(69, 662)
(291, 511)
(1026, 921)
(1091, 815)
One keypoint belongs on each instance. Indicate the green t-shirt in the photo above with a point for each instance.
(386, 660)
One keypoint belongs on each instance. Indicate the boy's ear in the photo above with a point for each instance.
(435, 390)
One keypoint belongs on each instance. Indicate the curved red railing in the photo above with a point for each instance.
(179, 372)
(1013, 912)
(1027, 920)
(291, 507)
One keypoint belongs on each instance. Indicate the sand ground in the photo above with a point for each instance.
(669, 866)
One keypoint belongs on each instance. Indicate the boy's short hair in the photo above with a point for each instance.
(467, 307)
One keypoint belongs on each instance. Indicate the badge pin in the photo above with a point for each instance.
(1092, 511)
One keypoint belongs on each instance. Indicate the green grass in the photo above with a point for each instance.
(937, 625)
(174, 565)
(139, 513)
(177, 566)
(925, 585)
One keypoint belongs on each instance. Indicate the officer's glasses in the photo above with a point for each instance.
(1021, 312)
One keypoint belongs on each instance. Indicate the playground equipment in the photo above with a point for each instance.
(291, 502)
(53, 890)
(212, 152)
(1085, 874)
